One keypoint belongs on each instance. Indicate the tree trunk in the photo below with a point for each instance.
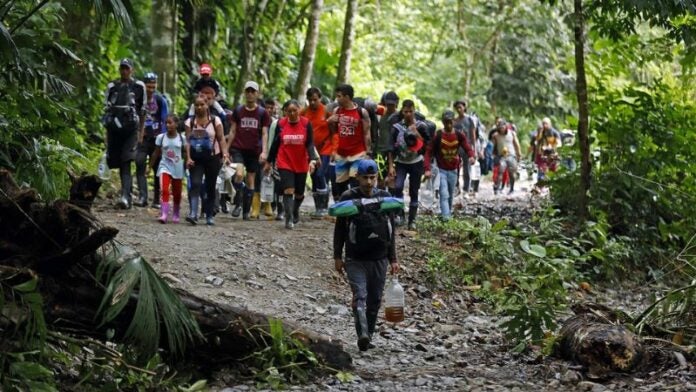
(347, 44)
(583, 111)
(267, 55)
(246, 58)
(188, 16)
(308, 52)
(53, 242)
(164, 42)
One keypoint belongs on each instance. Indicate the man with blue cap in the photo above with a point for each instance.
(368, 238)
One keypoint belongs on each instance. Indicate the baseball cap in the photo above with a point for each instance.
(205, 69)
(391, 98)
(126, 63)
(251, 84)
(367, 166)
(447, 115)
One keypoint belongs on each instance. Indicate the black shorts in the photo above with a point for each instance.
(250, 159)
(121, 147)
(293, 180)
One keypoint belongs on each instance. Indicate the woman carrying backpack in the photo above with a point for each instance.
(294, 155)
(206, 144)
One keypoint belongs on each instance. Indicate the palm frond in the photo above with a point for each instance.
(7, 44)
(675, 313)
(119, 10)
(130, 277)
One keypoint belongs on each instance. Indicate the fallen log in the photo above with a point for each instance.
(57, 242)
(596, 338)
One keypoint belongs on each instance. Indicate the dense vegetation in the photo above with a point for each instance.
(510, 58)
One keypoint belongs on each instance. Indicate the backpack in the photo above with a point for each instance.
(370, 231)
(121, 114)
(201, 144)
(371, 108)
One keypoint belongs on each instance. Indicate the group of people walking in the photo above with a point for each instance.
(356, 151)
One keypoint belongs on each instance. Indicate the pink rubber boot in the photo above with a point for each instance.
(165, 213)
(175, 216)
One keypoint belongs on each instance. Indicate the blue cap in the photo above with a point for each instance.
(367, 166)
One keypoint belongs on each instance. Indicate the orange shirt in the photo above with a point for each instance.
(325, 144)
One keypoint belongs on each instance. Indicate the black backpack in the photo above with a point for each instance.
(370, 231)
(122, 115)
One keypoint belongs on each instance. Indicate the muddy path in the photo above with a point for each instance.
(448, 341)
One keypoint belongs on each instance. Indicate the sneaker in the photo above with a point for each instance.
(412, 226)
(140, 203)
(237, 211)
(155, 204)
(289, 225)
(123, 203)
(192, 220)
(210, 221)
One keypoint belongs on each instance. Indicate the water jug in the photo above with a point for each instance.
(475, 171)
(267, 189)
(394, 301)
(103, 170)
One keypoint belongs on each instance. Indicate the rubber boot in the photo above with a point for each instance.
(246, 203)
(142, 191)
(223, 203)
(165, 213)
(317, 206)
(193, 215)
(512, 184)
(288, 207)
(296, 210)
(175, 215)
(156, 194)
(371, 325)
(267, 209)
(255, 206)
(361, 324)
(238, 196)
(126, 186)
(280, 208)
(412, 211)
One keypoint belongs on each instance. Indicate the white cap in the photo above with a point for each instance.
(251, 84)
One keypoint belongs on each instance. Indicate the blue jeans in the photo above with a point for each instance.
(448, 179)
(366, 278)
(414, 172)
(323, 175)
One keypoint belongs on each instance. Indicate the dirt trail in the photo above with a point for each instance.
(447, 342)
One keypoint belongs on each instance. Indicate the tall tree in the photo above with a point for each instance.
(308, 51)
(254, 12)
(583, 109)
(164, 22)
(347, 43)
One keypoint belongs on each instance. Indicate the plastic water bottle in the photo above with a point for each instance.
(394, 301)
(103, 170)
(475, 171)
(267, 189)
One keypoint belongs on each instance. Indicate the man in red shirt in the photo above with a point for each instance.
(248, 131)
(444, 148)
(325, 144)
(352, 123)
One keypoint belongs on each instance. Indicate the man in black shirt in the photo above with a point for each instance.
(366, 269)
(125, 111)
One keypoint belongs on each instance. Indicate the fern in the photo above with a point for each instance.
(129, 276)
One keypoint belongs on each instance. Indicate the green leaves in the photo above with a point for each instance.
(534, 249)
(156, 303)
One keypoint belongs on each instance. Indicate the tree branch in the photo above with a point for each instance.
(29, 15)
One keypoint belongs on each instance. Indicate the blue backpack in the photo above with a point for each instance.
(200, 142)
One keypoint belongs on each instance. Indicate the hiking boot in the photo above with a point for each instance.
(165, 213)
